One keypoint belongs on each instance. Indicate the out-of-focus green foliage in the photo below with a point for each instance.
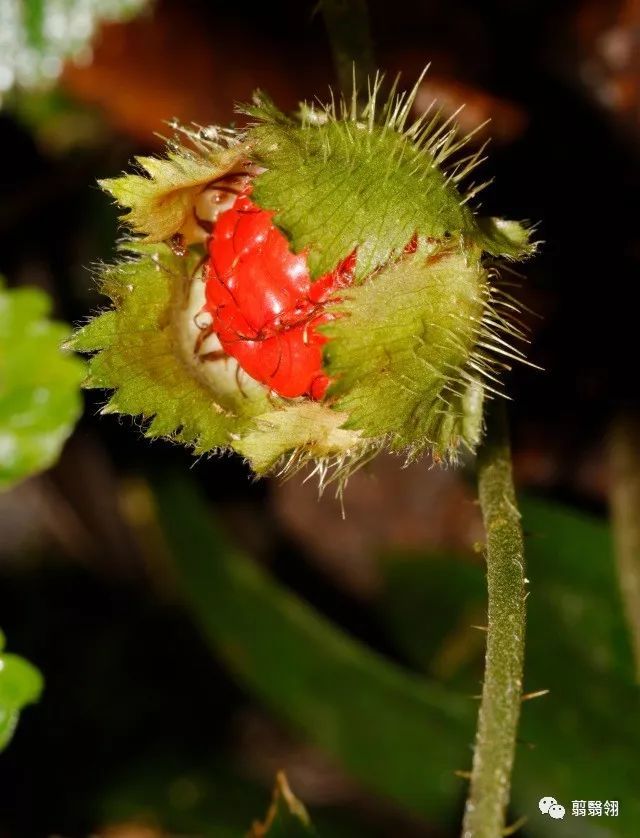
(207, 801)
(36, 36)
(287, 816)
(402, 735)
(20, 684)
(579, 742)
(40, 397)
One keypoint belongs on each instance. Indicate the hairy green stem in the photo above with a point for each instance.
(624, 452)
(502, 690)
(347, 23)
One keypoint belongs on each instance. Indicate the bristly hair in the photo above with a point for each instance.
(341, 177)
(412, 172)
(438, 137)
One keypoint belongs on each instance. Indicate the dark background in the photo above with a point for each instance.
(138, 715)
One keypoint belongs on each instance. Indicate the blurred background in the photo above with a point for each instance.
(199, 631)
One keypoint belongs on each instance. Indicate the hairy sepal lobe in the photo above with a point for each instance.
(341, 181)
(143, 354)
(161, 198)
(400, 349)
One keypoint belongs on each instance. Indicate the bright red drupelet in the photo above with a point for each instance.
(264, 306)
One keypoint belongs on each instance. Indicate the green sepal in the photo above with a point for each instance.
(337, 183)
(402, 352)
(161, 197)
(40, 398)
(143, 354)
(298, 434)
(502, 237)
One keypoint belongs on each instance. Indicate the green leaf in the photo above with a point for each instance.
(579, 742)
(402, 355)
(287, 816)
(20, 684)
(430, 605)
(337, 184)
(36, 36)
(400, 735)
(578, 648)
(404, 736)
(40, 398)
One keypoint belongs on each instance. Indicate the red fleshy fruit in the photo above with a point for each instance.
(265, 308)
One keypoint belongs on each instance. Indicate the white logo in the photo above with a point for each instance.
(550, 806)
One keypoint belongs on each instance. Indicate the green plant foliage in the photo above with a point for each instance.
(579, 742)
(337, 183)
(287, 816)
(299, 433)
(144, 358)
(378, 720)
(40, 399)
(36, 36)
(420, 339)
(402, 353)
(140, 356)
(20, 684)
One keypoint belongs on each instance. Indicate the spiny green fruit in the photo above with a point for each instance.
(312, 288)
